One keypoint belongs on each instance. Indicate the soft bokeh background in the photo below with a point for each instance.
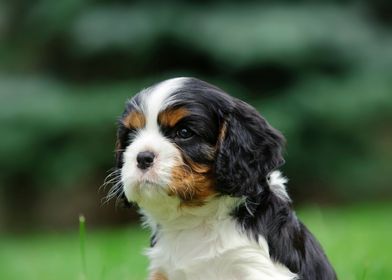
(319, 71)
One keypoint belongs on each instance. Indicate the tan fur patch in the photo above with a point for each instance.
(222, 133)
(134, 120)
(157, 276)
(193, 183)
(171, 117)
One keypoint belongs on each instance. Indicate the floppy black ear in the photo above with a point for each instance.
(248, 151)
(122, 136)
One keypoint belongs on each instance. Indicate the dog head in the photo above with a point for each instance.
(187, 139)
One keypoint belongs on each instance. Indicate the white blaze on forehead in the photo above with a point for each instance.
(156, 100)
(139, 184)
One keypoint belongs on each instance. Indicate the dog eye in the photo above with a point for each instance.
(184, 133)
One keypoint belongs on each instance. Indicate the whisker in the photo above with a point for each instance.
(113, 179)
(118, 199)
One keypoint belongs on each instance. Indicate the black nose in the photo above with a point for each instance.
(145, 159)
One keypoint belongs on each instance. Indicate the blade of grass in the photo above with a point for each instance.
(82, 242)
(365, 270)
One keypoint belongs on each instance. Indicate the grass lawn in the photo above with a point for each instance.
(357, 240)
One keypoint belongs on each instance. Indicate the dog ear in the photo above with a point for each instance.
(249, 149)
(122, 136)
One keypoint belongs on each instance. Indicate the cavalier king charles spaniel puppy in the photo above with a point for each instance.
(202, 167)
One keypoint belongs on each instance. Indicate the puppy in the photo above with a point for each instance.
(202, 167)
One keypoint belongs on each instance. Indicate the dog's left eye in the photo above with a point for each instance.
(184, 133)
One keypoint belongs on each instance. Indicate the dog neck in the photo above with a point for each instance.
(168, 214)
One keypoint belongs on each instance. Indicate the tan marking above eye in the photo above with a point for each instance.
(170, 117)
(134, 120)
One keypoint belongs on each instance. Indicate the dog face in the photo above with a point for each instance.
(187, 139)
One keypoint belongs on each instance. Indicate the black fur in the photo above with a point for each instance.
(289, 241)
(251, 149)
(200, 99)
(248, 153)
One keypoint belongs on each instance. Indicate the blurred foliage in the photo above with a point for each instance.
(319, 71)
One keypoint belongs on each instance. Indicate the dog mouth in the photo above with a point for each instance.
(148, 183)
(150, 180)
(149, 177)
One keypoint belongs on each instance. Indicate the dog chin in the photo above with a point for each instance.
(144, 188)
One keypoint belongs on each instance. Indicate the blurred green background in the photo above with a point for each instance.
(319, 71)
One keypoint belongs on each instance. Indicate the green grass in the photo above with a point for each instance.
(356, 239)
(110, 254)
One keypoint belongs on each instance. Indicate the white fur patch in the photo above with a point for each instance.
(158, 99)
(206, 243)
(276, 182)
